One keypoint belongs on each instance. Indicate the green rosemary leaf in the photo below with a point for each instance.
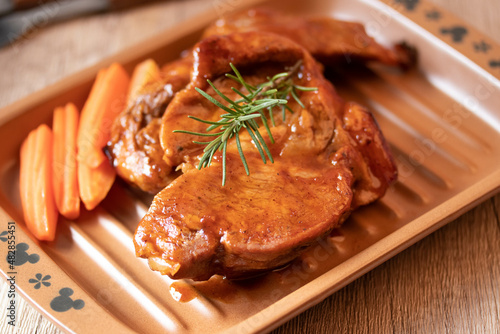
(271, 116)
(253, 124)
(212, 144)
(214, 149)
(257, 144)
(257, 92)
(266, 125)
(218, 123)
(272, 101)
(199, 133)
(245, 98)
(235, 78)
(242, 81)
(204, 160)
(305, 89)
(264, 145)
(242, 156)
(227, 134)
(224, 148)
(266, 105)
(271, 92)
(296, 98)
(248, 117)
(279, 75)
(288, 108)
(214, 101)
(227, 99)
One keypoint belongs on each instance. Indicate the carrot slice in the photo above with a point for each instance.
(95, 183)
(106, 100)
(65, 178)
(35, 181)
(144, 72)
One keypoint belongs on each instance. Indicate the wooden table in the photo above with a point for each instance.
(447, 283)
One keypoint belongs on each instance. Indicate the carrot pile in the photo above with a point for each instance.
(62, 167)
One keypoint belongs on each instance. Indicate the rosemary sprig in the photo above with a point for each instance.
(243, 113)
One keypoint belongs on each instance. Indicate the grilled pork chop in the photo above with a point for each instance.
(330, 41)
(135, 145)
(330, 157)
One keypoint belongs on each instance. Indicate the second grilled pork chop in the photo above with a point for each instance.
(329, 158)
(330, 41)
(134, 147)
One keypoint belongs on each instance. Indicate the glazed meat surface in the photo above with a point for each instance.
(135, 145)
(330, 157)
(193, 231)
(330, 41)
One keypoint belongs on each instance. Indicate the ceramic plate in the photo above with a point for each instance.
(441, 120)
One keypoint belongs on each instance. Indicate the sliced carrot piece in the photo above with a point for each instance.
(144, 72)
(84, 142)
(95, 183)
(27, 176)
(65, 177)
(106, 100)
(37, 198)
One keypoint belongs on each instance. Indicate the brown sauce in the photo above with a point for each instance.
(182, 291)
(218, 288)
(270, 287)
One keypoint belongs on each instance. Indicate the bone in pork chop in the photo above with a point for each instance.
(330, 157)
(135, 146)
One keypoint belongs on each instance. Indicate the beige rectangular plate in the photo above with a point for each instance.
(441, 119)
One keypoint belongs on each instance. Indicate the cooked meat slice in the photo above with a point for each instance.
(328, 40)
(134, 146)
(376, 169)
(196, 228)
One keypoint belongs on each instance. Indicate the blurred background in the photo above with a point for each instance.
(56, 45)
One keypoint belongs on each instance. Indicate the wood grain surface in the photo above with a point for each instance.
(447, 283)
